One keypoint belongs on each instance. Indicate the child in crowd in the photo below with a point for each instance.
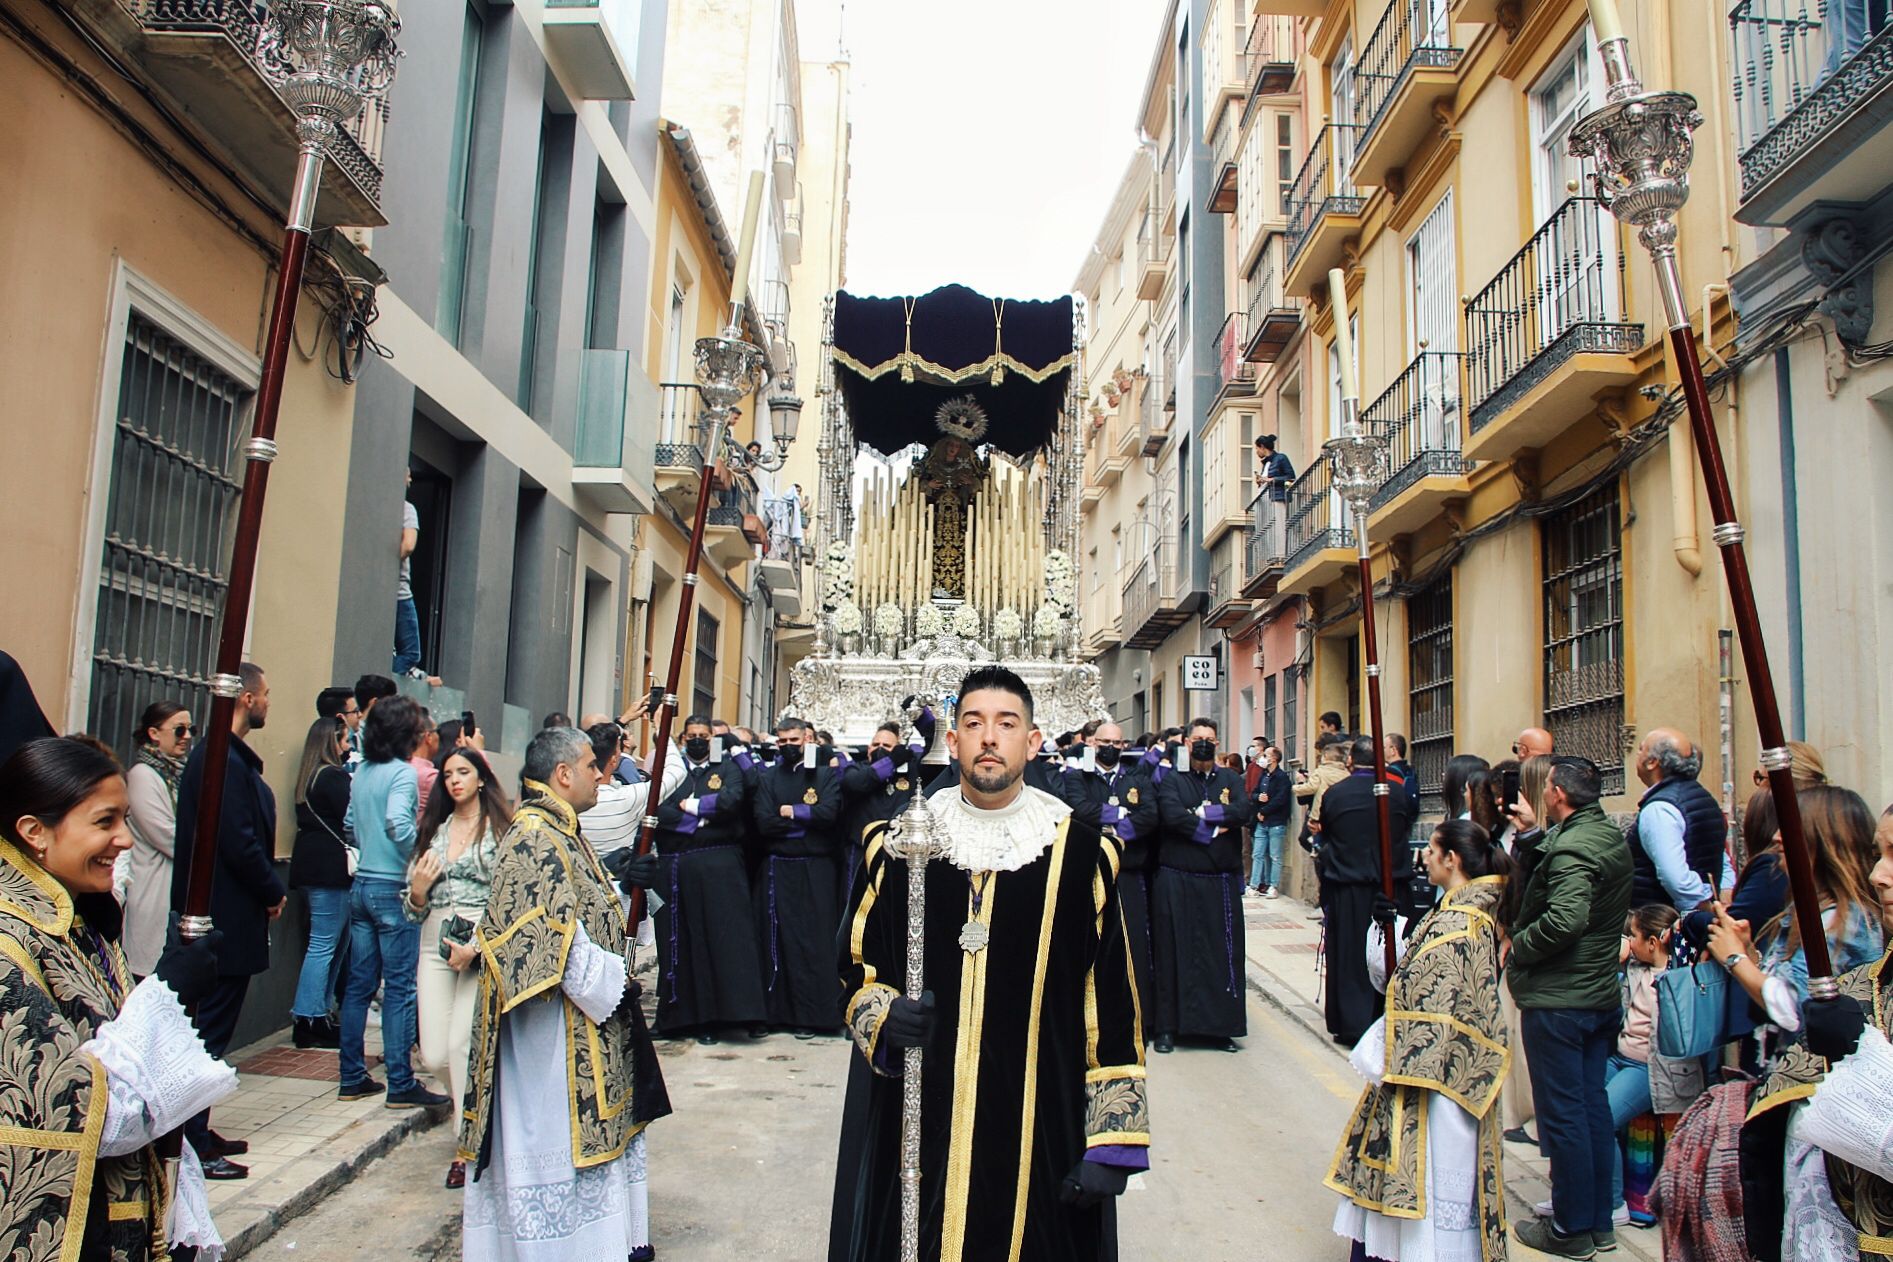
(1646, 953)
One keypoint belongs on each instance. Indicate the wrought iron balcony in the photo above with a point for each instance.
(1813, 89)
(1235, 374)
(733, 530)
(1222, 185)
(1265, 546)
(210, 61)
(595, 43)
(1155, 602)
(1270, 55)
(1405, 66)
(617, 433)
(787, 141)
(1324, 206)
(1228, 602)
(1317, 524)
(1273, 317)
(1549, 330)
(1418, 415)
(792, 229)
(1153, 414)
(677, 458)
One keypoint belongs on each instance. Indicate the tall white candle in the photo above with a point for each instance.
(1343, 337)
(746, 245)
(1606, 23)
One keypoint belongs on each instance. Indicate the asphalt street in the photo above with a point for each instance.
(746, 1166)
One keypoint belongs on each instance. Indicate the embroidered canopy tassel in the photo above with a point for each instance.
(907, 351)
(999, 341)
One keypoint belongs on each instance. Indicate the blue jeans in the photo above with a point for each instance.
(1627, 1085)
(1266, 867)
(407, 635)
(1568, 1051)
(328, 927)
(384, 947)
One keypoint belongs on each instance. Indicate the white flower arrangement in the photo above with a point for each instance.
(838, 575)
(1048, 621)
(889, 621)
(1061, 582)
(966, 622)
(929, 622)
(847, 618)
(1008, 625)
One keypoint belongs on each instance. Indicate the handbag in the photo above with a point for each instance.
(352, 855)
(1698, 1009)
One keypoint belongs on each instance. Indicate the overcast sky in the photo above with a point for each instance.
(989, 135)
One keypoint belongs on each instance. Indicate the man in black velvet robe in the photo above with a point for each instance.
(1196, 925)
(1122, 802)
(709, 972)
(1033, 1111)
(796, 809)
(877, 790)
(1349, 866)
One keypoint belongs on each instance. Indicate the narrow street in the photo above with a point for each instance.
(746, 1166)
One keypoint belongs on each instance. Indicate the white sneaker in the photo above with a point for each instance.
(1272, 892)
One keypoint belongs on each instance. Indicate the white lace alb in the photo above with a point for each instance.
(1002, 840)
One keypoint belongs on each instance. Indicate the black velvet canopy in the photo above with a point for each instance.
(951, 343)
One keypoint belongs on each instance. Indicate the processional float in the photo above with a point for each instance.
(951, 462)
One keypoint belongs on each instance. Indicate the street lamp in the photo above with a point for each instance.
(1641, 145)
(1356, 460)
(339, 55)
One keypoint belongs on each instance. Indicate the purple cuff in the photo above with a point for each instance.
(1111, 814)
(1123, 1156)
(801, 812)
(1214, 813)
(687, 824)
(883, 768)
(706, 806)
(888, 1060)
(744, 759)
(1205, 833)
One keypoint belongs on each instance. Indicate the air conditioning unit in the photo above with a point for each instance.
(1255, 659)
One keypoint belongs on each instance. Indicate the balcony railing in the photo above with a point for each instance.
(1222, 188)
(1152, 596)
(1412, 35)
(1272, 317)
(787, 140)
(1802, 69)
(1560, 296)
(1153, 244)
(1317, 518)
(731, 507)
(1235, 375)
(1153, 416)
(612, 433)
(1265, 545)
(1418, 415)
(1270, 54)
(680, 432)
(1323, 186)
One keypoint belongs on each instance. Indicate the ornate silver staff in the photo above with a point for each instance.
(1641, 144)
(912, 836)
(1356, 461)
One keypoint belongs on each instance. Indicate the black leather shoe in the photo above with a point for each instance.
(217, 1146)
(707, 1040)
(223, 1168)
(1229, 1045)
(1163, 1043)
(759, 1031)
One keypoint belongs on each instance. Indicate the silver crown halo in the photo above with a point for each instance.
(962, 418)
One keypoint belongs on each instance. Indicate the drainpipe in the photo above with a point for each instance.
(1725, 706)
(1683, 500)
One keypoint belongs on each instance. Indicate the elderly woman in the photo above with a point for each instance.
(96, 1067)
(1418, 1169)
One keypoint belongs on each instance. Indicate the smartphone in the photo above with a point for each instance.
(716, 749)
(1508, 790)
(808, 756)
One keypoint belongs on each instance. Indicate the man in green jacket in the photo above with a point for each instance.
(1563, 971)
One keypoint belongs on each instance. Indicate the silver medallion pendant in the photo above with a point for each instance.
(973, 937)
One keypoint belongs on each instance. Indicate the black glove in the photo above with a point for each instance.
(634, 871)
(1385, 912)
(189, 968)
(909, 1023)
(1090, 1182)
(1833, 1026)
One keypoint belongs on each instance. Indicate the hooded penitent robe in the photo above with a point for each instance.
(1037, 1060)
(1445, 1035)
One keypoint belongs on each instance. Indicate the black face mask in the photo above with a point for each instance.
(1108, 755)
(697, 747)
(1202, 751)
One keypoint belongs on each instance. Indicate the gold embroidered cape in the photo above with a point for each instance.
(1864, 1197)
(547, 881)
(55, 993)
(1445, 1033)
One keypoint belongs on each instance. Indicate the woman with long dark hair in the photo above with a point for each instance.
(80, 1109)
(1452, 785)
(448, 882)
(383, 944)
(319, 867)
(163, 739)
(1434, 1067)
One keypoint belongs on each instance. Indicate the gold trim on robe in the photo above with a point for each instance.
(547, 881)
(1445, 1033)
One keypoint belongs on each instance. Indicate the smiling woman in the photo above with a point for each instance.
(96, 1069)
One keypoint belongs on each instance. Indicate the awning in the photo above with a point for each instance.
(898, 359)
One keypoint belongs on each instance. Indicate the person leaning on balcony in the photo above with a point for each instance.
(1275, 475)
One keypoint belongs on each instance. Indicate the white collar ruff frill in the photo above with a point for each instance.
(1002, 840)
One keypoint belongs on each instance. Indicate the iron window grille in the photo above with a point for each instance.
(1584, 633)
(170, 518)
(1430, 689)
(703, 678)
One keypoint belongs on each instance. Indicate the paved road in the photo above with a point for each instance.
(746, 1167)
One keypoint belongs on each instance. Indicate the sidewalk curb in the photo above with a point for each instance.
(349, 1162)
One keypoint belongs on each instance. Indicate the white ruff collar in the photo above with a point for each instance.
(1002, 840)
